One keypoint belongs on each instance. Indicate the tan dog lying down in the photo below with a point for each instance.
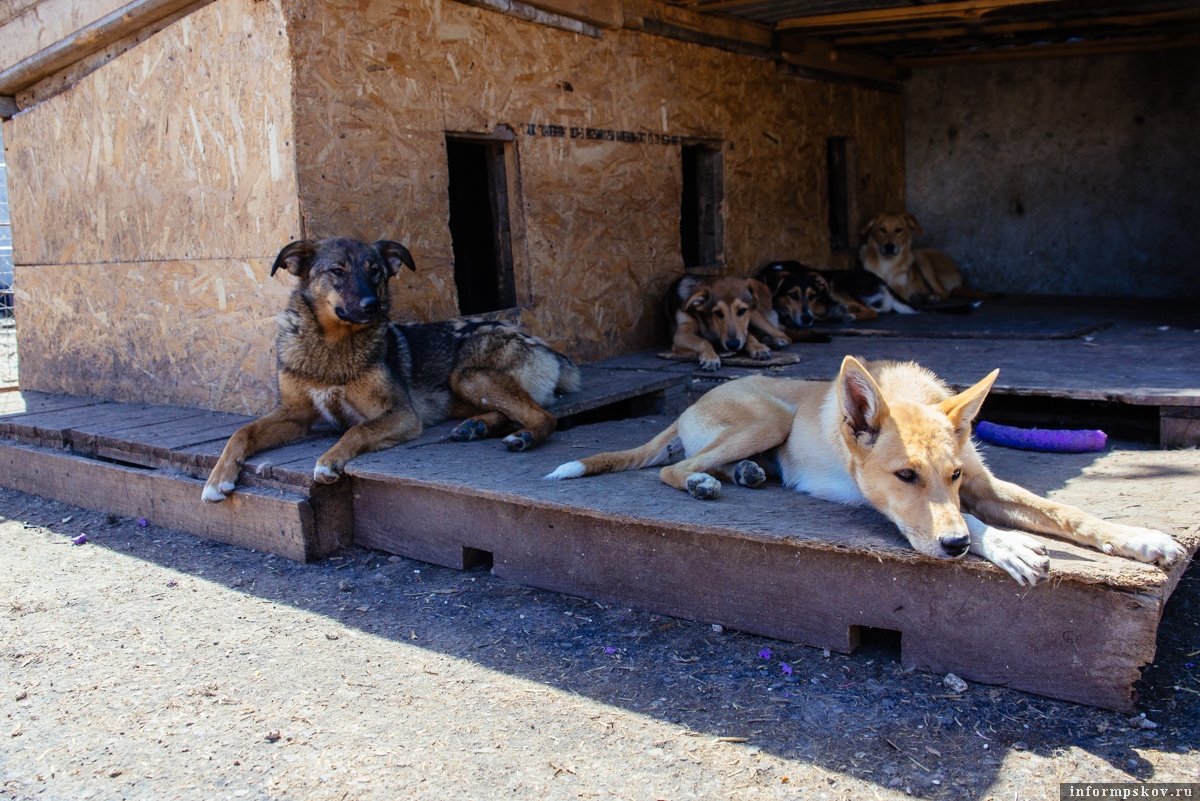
(886, 434)
(709, 316)
(917, 275)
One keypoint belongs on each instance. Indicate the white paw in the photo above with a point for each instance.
(325, 474)
(703, 487)
(713, 363)
(1017, 554)
(1144, 545)
(568, 470)
(216, 494)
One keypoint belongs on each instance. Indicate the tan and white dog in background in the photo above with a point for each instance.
(886, 434)
(917, 275)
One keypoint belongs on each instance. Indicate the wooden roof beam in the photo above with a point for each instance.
(1048, 26)
(965, 9)
(1029, 52)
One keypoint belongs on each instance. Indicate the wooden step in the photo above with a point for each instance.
(276, 521)
(774, 562)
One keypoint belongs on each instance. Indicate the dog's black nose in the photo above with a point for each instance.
(889, 248)
(369, 304)
(733, 344)
(955, 545)
(806, 319)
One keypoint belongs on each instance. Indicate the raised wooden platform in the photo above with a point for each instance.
(766, 561)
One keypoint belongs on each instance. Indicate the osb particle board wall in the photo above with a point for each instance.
(147, 204)
(378, 85)
(149, 200)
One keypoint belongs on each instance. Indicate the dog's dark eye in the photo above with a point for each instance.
(956, 475)
(720, 315)
(794, 294)
(907, 475)
(337, 272)
(741, 312)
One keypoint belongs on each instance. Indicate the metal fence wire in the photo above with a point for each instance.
(8, 340)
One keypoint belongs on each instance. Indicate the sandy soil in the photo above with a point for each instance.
(148, 664)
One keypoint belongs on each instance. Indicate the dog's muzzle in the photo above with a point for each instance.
(734, 345)
(889, 249)
(955, 545)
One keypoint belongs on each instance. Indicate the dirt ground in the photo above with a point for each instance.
(149, 664)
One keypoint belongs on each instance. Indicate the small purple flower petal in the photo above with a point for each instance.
(610, 650)
(172, 583)
(142, 522)
(786, 668)
(80, 540)
(765, 653)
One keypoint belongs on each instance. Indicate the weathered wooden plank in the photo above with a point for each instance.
(14, 404)
(1080, 642)
(273, 521)
(44, 39)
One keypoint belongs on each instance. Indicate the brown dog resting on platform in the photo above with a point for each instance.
(709, 316)
(886, 434)
(918, 275)
(343, 360)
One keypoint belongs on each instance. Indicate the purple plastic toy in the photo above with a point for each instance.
(1042, 439)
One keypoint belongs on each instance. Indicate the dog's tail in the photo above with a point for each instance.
(655, 452)
(569, 378)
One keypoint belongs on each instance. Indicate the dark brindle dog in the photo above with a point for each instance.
(342, 359)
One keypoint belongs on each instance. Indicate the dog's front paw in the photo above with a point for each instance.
(749, 473)
(1021, 556)
(520, 441)
(779, 343)
(710, 363)
(703, 487)
(215, 493)
(469, 430)
(1142, 544)
(759, 352)
(326, 474)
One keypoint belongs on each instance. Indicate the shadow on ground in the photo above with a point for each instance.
(862, 714)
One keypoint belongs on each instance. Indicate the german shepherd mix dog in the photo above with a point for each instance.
(711, 315)
(802, 295)
(917, 275)
(343, 360)
(886, 434)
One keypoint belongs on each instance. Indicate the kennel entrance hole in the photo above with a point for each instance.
(701, 228)
(480, 232)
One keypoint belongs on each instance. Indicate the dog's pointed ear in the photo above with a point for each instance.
(861, 402)
(296, 258)
(394, 256)
(962, 408)
(698, 301)
(869, 224)
(912, 223)
(761, 294)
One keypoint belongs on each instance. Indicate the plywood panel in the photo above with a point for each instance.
(179, 149)
(191, 333)
(378, 86)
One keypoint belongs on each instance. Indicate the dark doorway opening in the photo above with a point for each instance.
(701, 229)
(840, 159)
(479, 224)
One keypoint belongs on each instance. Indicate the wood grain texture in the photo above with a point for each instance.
(777, 563)
(374, 99)
(179, 149)
(198, 334)
(273, 521)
